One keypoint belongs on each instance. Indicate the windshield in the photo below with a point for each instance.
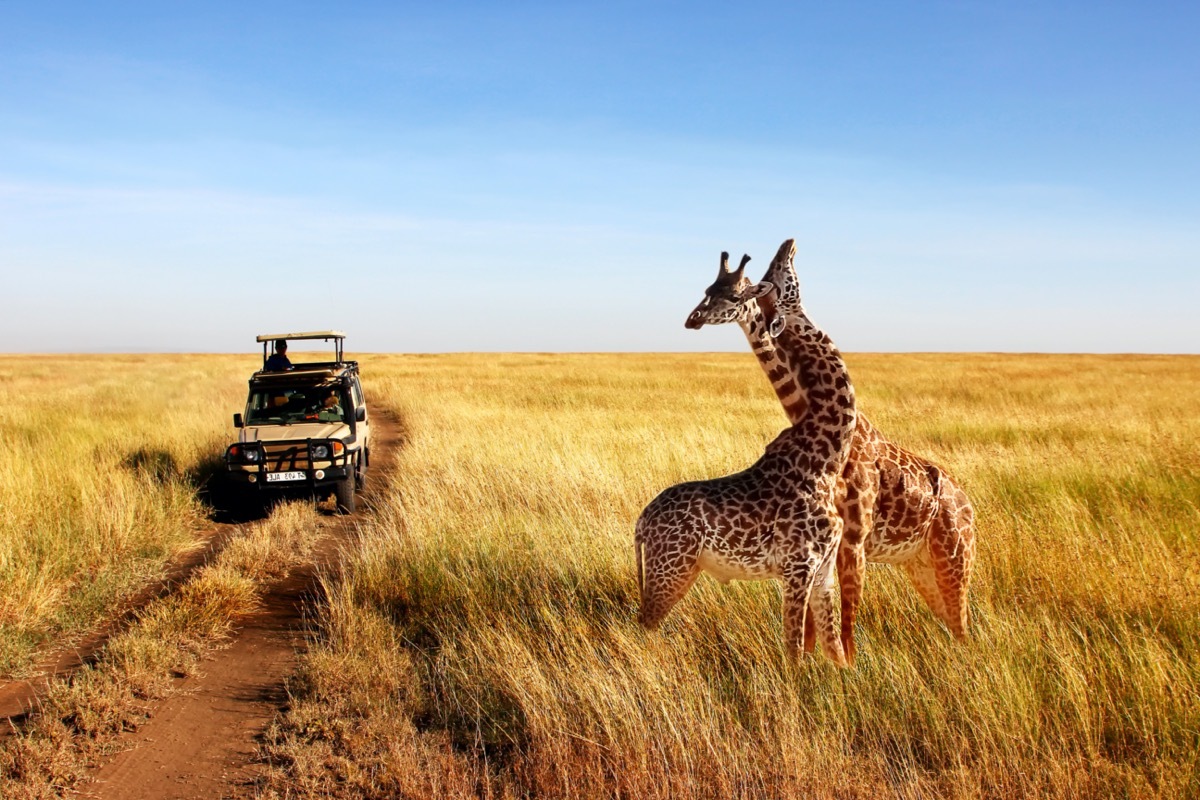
(285, 406)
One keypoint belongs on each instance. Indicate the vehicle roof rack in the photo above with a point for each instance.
(337, 336)
(270, 337)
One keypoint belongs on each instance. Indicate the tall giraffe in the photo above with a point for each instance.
(898, 508)
(777, 519)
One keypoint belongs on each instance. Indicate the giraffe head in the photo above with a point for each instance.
(778, 293)
(724, 301)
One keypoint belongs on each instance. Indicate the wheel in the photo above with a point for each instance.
(344, 492)
(360, 471)
(248, 504)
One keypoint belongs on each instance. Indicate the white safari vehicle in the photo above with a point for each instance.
(305, 426)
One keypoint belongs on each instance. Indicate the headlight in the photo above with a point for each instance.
(253, 455)
(320, 451)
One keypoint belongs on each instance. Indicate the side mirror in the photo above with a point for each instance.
(360, 415)
(237, 421)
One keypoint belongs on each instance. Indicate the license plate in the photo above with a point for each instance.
(276, 477)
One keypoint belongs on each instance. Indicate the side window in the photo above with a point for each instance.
(356, 391)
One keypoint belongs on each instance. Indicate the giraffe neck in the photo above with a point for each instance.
(779, 373)
(818, 373)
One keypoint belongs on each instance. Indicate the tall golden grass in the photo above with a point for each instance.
(481, 638)
(102, 458)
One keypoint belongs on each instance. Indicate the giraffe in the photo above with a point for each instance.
(776, 519)
(897, 507)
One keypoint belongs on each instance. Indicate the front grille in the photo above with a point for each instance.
(286, 456)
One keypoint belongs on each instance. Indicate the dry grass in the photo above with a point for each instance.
(482, 640)
(102, 459)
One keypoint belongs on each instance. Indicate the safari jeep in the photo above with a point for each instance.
(304, 427)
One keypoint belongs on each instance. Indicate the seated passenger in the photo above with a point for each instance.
(278, 362)
(331, 409)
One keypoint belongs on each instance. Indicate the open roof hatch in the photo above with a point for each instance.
(337, 336)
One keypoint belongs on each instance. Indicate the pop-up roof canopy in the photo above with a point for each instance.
(337, 336)
(270, 337)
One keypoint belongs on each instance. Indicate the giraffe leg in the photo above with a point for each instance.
(666, 579)
(810, 631)
(952, 553)
(809, 578)
(858, 517)
(851, 570)
(821, 601)
(924, 579)
(797, 588)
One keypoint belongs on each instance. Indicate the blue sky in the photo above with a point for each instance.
(563, 177)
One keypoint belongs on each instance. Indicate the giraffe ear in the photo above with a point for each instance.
(760, 289)
(777, 326)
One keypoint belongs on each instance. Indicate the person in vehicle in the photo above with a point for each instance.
(278, 362)
(331, 408)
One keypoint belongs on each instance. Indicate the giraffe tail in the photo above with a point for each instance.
(935, 479)
(944, 494)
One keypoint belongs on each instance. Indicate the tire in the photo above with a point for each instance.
(360, 471)
(343, 490)
(261, 504)
(248, 504)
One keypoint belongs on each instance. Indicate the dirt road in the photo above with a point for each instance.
(17, 698)
(200, 742)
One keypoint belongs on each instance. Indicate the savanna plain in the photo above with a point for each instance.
(479, 638)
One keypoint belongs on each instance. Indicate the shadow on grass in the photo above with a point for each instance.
(228, 503)
(158, 465)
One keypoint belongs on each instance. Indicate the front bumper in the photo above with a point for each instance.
(260, 480)
(288, 464)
